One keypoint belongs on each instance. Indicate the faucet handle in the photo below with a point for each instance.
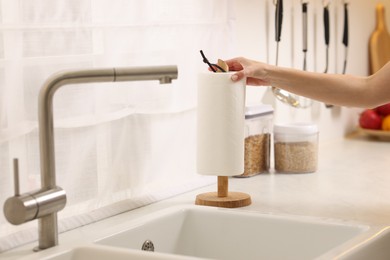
(19, 208)
(16, 177)
(22, 208)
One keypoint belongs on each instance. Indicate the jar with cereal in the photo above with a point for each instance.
(296, 148)
(258, 128)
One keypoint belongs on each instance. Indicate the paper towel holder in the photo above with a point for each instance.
(223, 198)
(220, 149)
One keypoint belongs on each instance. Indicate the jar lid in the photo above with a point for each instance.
(296, 128)
(258, 110)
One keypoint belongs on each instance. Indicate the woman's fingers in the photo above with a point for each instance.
(234, 64)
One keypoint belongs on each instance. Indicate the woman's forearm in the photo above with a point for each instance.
(335, 89)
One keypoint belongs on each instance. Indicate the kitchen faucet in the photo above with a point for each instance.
(43, 204)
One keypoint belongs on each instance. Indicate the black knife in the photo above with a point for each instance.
(327, 35)
(327, 39)
(345, 36)
(278, 26)
(304, 33)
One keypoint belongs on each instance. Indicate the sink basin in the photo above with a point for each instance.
(376, 247)
(218, 233)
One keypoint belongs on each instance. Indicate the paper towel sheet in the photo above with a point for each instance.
(221, 125)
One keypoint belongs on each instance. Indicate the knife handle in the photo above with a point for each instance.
(304, 27)
(326, 25)
(345, 34)
(278, 19)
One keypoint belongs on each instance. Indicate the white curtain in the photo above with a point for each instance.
(118, 146)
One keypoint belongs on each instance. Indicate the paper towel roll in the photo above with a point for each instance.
(221, 125)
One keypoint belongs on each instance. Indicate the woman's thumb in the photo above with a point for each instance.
(237, 76)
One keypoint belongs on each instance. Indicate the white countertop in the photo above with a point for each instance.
(351, 184)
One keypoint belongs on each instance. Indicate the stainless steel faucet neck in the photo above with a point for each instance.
(45, 114)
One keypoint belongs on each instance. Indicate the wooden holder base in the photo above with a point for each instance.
(233, 200)
(223, 198)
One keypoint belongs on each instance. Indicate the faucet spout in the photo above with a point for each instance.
(45, 103)
(46, 202)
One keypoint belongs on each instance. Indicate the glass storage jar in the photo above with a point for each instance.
(258, 128)
(296, 148)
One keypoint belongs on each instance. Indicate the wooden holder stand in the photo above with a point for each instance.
(223, 198)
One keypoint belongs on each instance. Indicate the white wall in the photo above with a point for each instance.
(255, 40)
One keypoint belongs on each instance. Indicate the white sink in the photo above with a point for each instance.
(208, 232)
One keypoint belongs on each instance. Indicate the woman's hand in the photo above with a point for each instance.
(254, 71)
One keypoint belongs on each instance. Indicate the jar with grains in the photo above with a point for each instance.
(258, 128)
(296, 148)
